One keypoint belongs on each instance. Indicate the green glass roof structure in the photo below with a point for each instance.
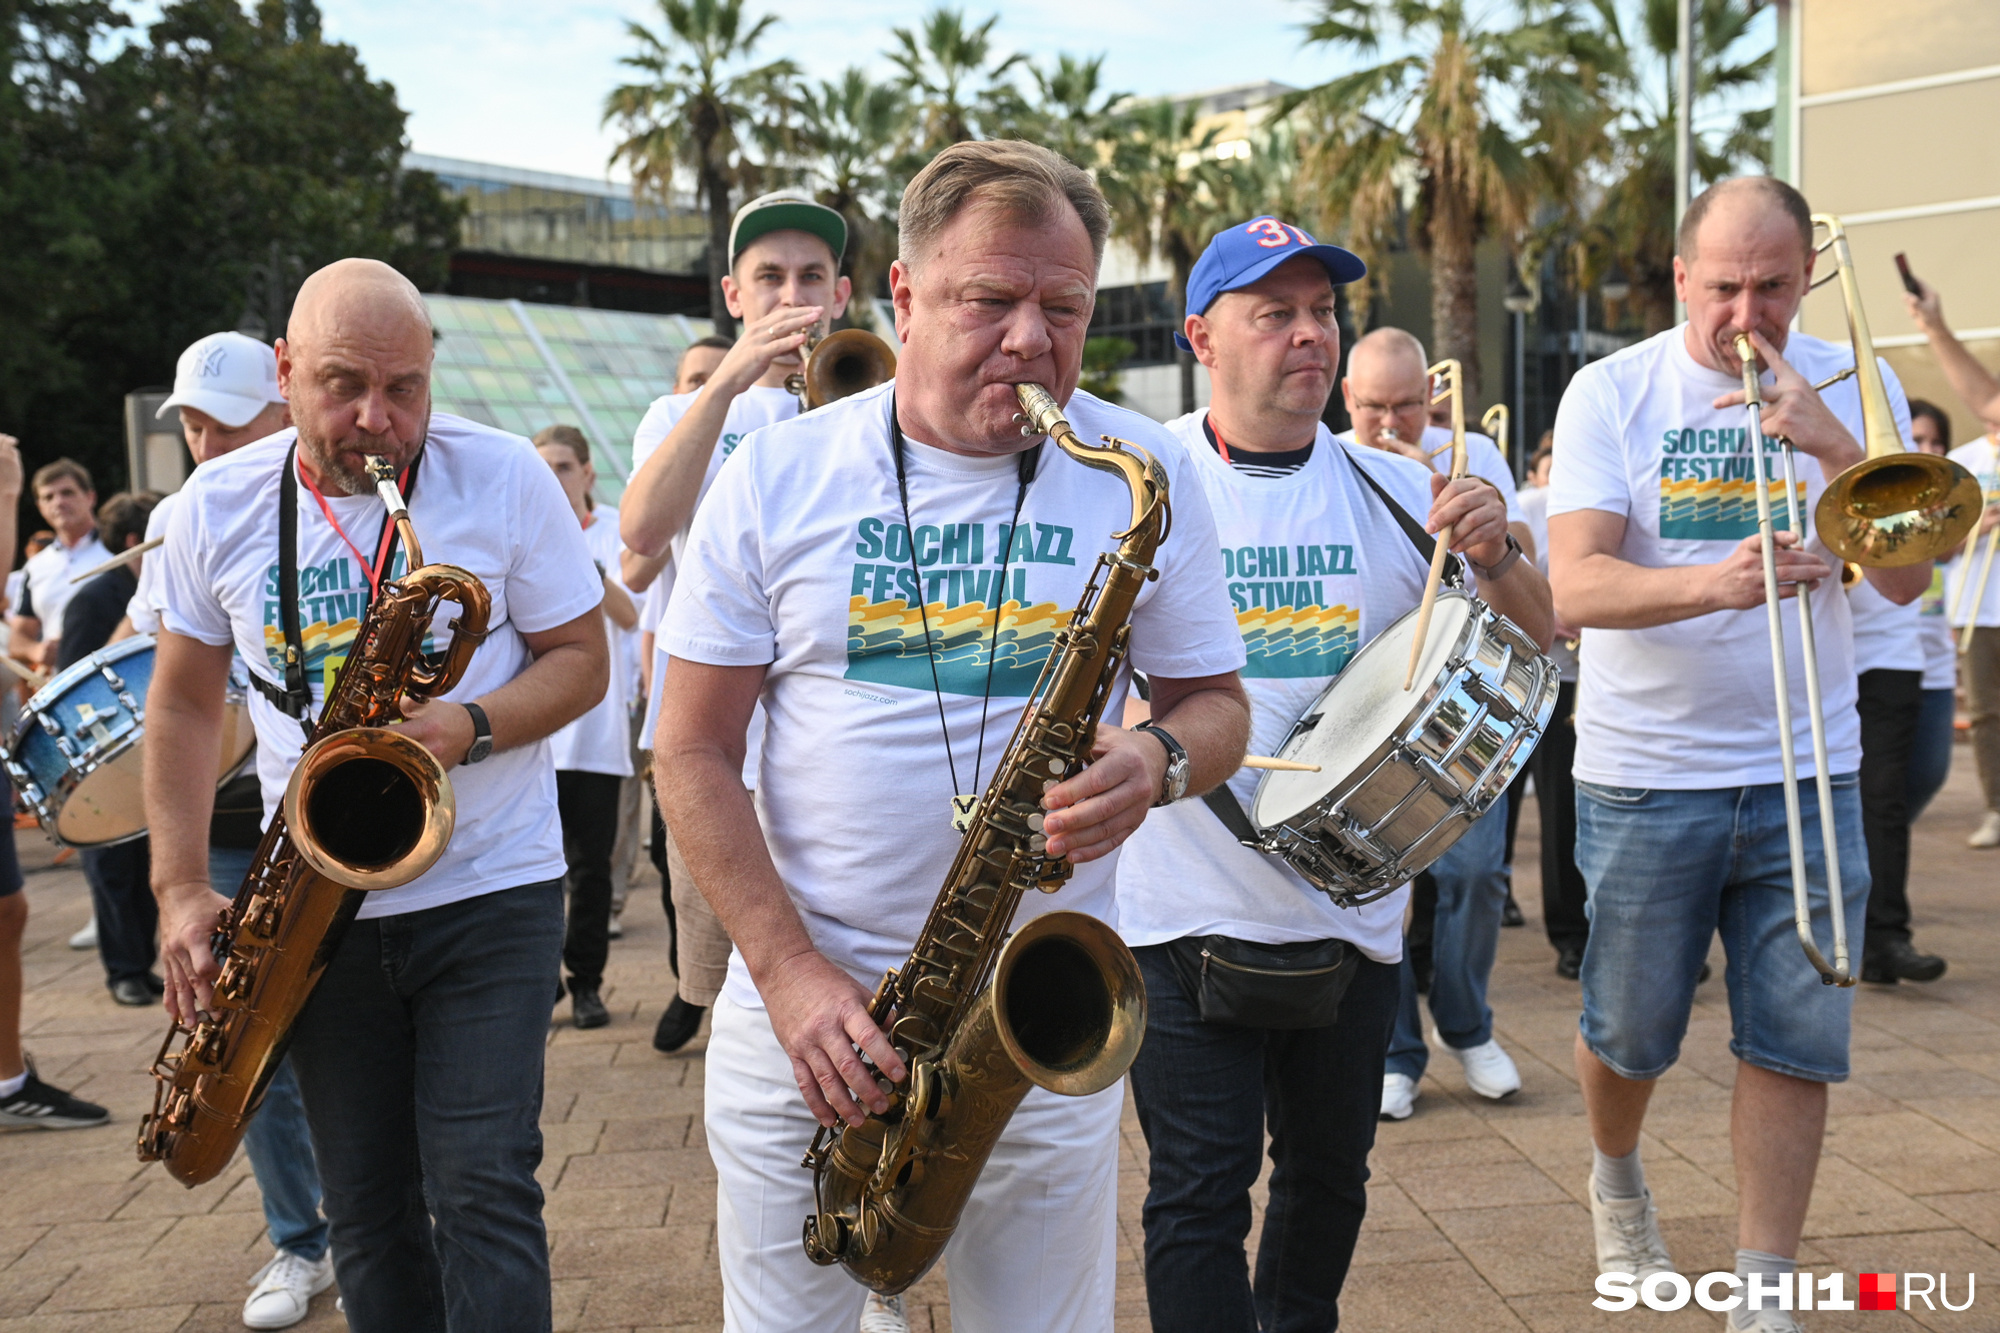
(522, 367)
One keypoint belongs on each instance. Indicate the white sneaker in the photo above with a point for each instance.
(1489, 1071)
(284, 1288)
(1628, 1236)
(616, 930)
(1762, 1321)
(85, 938)
(883, 1314)
(1399, 1096)
(1988, 832)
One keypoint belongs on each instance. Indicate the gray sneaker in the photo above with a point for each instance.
(1628, 1236)
(1761, 1321)
(883, 1314)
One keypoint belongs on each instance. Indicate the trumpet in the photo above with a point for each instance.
(838, 365)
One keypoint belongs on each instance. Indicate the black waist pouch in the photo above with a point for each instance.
(1239, 984)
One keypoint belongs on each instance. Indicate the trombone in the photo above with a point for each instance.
(1965, 610)
(1494, 425)
(1453, 376)
(1892, 508)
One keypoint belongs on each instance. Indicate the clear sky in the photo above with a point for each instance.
(522, 82)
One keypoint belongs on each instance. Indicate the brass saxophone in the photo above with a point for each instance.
(977, 1015)
(367, 808)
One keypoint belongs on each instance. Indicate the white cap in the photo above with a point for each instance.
(227, 375)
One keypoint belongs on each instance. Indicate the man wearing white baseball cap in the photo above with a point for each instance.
(226, 386)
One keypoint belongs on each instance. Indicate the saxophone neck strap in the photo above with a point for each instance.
(294, 698)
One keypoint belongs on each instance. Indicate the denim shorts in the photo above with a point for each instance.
(1666, 870)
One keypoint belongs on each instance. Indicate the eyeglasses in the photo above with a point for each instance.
(1394, 409)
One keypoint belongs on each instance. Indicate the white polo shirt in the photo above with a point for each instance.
(51, 579)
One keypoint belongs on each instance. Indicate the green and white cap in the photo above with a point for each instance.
(787, 210)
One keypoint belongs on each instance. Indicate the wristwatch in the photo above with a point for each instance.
(1500, 566)
(482, 734)
(1176, 784)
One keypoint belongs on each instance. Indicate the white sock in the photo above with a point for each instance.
(1769, 1266)
(10, 1086)
(1618, 1177)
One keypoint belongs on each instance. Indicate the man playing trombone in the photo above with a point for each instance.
(1681, 811)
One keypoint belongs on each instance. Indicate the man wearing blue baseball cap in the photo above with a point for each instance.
(1323, 545)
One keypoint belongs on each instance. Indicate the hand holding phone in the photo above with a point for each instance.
(1910, 283)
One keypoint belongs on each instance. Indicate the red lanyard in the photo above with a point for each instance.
(1221, 444)
(374, 571)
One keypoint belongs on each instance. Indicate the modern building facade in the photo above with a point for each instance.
(1884, 117)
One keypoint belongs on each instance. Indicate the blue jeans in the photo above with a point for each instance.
(1930, 748)
(420, 1057)
(1667, 870)
(1472, 893)
(279, 1148)
(1205, 1093)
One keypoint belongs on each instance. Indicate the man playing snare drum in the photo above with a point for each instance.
(1317, 564)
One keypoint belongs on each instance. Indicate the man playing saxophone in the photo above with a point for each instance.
(848, 567)
(419, 1055)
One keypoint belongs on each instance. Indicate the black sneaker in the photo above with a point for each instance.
(133, 993)
(677, 1026)
(1510, 912)
(586, 1008)
(1569, 962)
(39, 1106)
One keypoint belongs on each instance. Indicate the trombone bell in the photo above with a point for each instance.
(842, 364)
(1894, 507)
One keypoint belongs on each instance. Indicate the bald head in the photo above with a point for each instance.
(355, 365)
(1390, 351)
(1745, 202)
(1745, 264)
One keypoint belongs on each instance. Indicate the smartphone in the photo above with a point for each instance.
(1909, 278)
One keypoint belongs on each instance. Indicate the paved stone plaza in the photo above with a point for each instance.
(1476, 1221)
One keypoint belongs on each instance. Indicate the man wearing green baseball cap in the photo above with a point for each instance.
(784, 282)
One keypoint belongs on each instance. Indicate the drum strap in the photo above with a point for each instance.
(1230, 811)
(1453, 571)
(294, 700)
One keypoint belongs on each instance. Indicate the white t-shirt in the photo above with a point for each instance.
(1534, 503)
(600, 741)
(484, 500)
(800, 560)
(51, 579)
(147, 599)
(1689, 705)
(1886, 636)
(1316, 566)
(1934, 629)
(755, 407)
(1482, 459)
(1982, 460)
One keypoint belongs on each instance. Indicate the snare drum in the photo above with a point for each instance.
(77, 751)
(1403, 774)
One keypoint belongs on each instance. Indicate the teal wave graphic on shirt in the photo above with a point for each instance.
(1289, 643)
(886, 645)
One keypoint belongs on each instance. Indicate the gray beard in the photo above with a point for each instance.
(347, 481)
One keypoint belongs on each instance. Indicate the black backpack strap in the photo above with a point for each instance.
(1425, 543)
(295, 699)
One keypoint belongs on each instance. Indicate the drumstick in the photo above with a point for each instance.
(1452, 374)
(124, 557)
(1281, 765)
(35, 679)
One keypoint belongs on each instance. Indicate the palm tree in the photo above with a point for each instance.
(1076, 115)
(1633, 224)
(848, 131)
(945, 65)
(1168, 194)
(699, 101)
(1434, 121)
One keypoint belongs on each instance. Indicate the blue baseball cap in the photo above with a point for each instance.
(1240, 255)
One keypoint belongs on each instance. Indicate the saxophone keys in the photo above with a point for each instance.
(1036, 820)
(233, 984)
(1038, 842)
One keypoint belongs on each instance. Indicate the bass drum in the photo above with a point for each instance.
(77, 752)
(1404, 773)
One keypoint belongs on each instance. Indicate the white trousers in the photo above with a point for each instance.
(1035, 1250)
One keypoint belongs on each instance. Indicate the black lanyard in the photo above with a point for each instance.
(294, 700)
(1030, 461)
